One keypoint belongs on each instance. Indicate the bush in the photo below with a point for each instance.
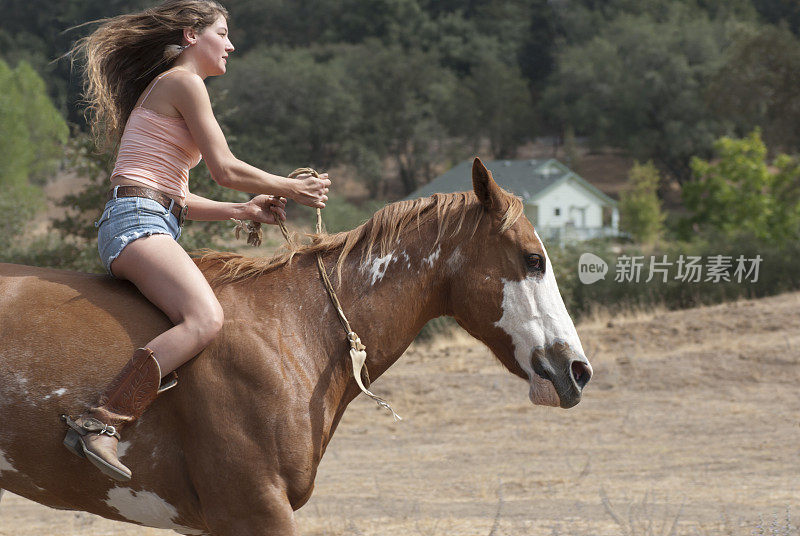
(31, 136)
(639, 206)
(435, 327)
(52, 251)
(18, 206)
(777, 273)
(739, 192)
(33, 131)
(342, 215)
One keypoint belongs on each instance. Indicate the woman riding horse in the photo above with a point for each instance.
(145, 89)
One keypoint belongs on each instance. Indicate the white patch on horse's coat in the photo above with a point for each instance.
(122, 448)
(57, 392)
(406, 258)
(146, 508)
(5, 465)
(456, 260)
(379, 266)
(433, 257)
(14, 383)
(534, 316)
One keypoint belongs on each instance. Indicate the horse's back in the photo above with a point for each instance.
(44, 309)
(61, 329)
(50, 286)
(63, 336)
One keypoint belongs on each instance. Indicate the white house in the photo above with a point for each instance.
(562, 206)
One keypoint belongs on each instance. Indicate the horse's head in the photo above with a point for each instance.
(505, 294)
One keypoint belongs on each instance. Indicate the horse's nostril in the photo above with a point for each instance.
(580, 373)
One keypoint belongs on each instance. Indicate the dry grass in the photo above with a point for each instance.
(689, 428)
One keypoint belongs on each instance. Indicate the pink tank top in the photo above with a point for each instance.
(157, 150)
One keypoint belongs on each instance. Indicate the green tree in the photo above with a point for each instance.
(738, 192)
(16, 154)
(32, 132)
(460, 42)
(391, 21)
(82, 207)
(501, 108)
(45, 127)
(31, 135)
(286, 108)
(571, 158)
(405, 105)
(780, 12)
(784, 219)
(639, 85)
(758, 86)
(35, 32)
(639, 206)
(579, 21)
(537, 53)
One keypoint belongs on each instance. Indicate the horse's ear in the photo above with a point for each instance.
(486, 189)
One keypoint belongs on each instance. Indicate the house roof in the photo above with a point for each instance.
(529, 179)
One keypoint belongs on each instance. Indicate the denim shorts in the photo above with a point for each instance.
(125, 219)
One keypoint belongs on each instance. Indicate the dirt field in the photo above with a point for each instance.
(692, 419)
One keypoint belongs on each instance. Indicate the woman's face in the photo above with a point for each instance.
(212, 46)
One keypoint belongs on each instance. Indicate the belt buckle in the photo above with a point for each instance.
(182, 217)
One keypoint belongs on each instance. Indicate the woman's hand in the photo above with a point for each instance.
(311, 191)
(261, 207)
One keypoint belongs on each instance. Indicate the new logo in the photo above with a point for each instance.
(591, 268)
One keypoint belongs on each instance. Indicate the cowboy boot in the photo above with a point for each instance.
(95, 434)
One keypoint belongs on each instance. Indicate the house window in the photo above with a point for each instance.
(558, 212)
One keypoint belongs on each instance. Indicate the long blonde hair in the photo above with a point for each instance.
(126, 52)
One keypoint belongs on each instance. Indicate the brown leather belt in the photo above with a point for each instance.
(148, 193)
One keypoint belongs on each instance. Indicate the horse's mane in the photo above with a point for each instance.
(385, 228)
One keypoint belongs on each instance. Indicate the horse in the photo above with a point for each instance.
(234, 448)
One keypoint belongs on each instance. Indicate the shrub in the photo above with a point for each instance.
(777, 273)
(639, 205)
(738, 192)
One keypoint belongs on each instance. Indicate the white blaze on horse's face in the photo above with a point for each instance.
(546, 344)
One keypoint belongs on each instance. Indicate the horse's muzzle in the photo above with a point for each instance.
(568, 371)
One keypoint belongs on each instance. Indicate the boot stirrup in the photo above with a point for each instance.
(92, 426)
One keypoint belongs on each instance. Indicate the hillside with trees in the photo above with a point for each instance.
(393, 92)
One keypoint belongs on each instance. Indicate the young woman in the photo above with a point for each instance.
(146, 92)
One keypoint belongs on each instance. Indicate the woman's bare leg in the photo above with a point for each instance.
(167, 276)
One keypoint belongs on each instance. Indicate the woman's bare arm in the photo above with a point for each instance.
(257, 209)
(190, 98)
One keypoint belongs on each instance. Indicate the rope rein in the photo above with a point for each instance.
(358, 352)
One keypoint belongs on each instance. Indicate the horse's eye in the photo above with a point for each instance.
(534, 262)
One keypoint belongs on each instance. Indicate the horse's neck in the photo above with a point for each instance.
(387, 299)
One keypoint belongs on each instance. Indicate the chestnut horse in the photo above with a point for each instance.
(234, 449)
